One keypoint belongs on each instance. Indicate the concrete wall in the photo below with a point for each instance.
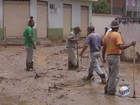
(55, 20)
(129, 32)
(102, 21)
(76, 11)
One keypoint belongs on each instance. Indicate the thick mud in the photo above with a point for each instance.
(53, 84)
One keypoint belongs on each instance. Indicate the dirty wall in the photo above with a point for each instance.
(129, 31)
(100, 21)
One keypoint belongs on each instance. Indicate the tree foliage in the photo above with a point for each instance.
(101, 7)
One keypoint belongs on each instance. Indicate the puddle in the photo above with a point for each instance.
(49, 61)
(41, 60)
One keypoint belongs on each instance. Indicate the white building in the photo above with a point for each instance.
(54, 18)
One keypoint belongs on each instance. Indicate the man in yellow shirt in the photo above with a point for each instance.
(112, 48)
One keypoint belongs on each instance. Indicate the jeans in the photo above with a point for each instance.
(114, 67)
(29, 57)
(94, 63)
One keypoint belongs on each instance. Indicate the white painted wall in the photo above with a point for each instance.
(101, 21)
(76, 11)
(56, 20)
(1, 13)
(131, 32)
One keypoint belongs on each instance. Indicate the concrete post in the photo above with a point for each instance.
(33, 10)
(1, 20)
(1, 13)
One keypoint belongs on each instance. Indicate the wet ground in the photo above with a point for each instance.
(53, 84)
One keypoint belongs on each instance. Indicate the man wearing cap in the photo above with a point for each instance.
(71, 44)
(94, 41)
(112, 48)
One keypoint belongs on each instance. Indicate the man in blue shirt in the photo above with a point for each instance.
(94, 41)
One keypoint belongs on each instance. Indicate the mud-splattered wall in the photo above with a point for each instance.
(130, 30)
(100, 21)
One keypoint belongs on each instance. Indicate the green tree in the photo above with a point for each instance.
(101, 7)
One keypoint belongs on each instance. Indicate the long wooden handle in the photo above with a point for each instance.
(134, 93)
(77, 57)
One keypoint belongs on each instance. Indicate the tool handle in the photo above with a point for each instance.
(77, 57)
(134, 61)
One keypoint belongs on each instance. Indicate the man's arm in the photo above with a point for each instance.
(32, 42)
(125, 46)
(73, 40)
(71, 37)
(121, 44)
(84, 48)
(103, 52)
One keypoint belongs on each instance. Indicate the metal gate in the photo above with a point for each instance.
(16, 15)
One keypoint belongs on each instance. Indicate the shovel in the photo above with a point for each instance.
(77, 57)
(134, 92)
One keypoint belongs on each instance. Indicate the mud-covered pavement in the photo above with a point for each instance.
(53, 84)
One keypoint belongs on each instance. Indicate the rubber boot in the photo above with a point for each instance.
(102, 76)
(32, 66)
(28, 66)
(109, 93)
(75, 66)
(89, 77)
(69, 65)
(105, 89)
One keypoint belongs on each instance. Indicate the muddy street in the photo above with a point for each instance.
(53, 84)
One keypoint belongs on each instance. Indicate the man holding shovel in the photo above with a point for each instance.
(72, 43)
(112, 46)
(94, 41)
